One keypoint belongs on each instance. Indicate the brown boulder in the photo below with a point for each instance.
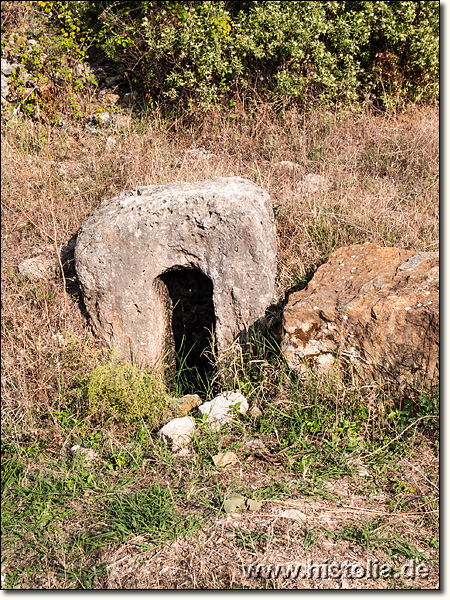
(372, 307)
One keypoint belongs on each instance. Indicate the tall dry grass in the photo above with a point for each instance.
(380, 184)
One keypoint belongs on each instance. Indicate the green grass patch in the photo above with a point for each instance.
(150, 512)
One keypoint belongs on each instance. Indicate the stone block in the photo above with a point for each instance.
(179, 263)
(373, 307)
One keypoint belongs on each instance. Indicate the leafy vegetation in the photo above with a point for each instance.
(197, 55)
(202, 53)
(49, 70)
(126, 392)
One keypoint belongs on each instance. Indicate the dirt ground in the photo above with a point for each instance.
(312, 540)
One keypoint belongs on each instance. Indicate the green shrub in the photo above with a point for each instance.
(50, 53)
(126, 392)
(200, 54)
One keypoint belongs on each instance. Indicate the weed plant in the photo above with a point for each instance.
(126, 392)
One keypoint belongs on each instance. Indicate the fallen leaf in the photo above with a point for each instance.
(292, 513)
(224, 459)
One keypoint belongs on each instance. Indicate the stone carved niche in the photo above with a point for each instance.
(191, 319)
(163, 266)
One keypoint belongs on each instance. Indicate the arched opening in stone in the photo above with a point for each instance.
(192, 319)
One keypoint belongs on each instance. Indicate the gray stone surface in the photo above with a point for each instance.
(222, 228)
(7, 68)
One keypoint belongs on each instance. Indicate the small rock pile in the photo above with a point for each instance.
(179, 432)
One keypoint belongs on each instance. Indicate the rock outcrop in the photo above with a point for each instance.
(165, 265)
(372, 307)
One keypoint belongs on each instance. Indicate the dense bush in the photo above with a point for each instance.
(200, 54)
(207, 52)
(123, 391)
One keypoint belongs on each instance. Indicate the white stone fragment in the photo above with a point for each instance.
(219, 410)
(287, 164)
(313, 182)
(89, 454)
(178, 432)
(37, 268)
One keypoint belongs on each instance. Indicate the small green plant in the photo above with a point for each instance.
(360, 533)
(280, 490)
(10, 470)
(398, 546)
(126, 392)
(206, 442)
(253, 541)
(310, 538)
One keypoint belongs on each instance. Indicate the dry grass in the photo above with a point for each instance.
(380, 184)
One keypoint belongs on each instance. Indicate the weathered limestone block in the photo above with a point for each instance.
(376, 308)
(209, 247)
